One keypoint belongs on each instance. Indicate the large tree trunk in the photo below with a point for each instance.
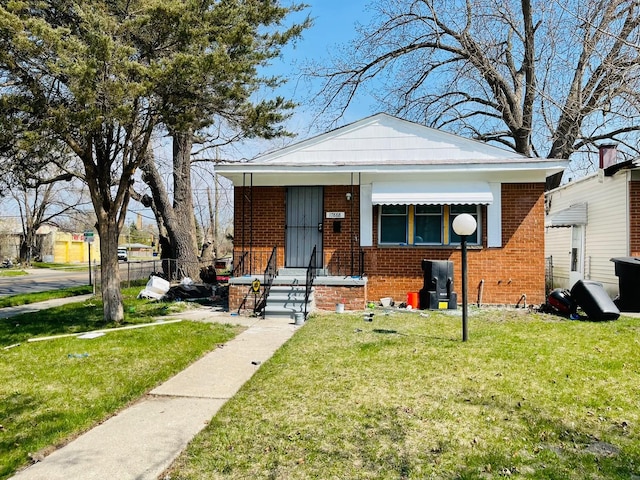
(178, 218)
(183, 231)
(109, 270)
(110, 212)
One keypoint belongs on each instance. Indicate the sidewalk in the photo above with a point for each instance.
(141, 441)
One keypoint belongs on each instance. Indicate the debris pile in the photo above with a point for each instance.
(158, 288)
(590, 296)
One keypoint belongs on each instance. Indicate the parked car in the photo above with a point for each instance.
(122, 255)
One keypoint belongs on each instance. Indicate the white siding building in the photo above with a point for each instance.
(587, 223)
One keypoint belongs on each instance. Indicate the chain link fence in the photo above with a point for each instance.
(168, 268)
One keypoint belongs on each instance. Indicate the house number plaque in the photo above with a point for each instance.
(334, 215)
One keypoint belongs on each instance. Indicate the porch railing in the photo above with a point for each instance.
(311, 275)
(337, 263)
(251, 262)
(269, 275)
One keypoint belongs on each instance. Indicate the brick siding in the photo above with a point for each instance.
(259, 225)
(341, 249)
(507, 272)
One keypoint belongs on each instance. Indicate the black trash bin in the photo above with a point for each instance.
(437, 291)
(594, 300)
(628, 273)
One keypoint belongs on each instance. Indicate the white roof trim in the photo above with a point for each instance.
(431, 193)
(574, 215)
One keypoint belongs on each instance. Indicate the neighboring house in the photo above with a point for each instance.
(375, 198)
(52, 245)
(10, 238)
(591, 220)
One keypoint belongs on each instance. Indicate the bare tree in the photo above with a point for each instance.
(44, 199)
(214, 214)
(541, 77)
(39, 177)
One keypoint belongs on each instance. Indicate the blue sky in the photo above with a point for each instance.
(333, 26)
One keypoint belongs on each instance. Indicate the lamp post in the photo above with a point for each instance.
(464, 225)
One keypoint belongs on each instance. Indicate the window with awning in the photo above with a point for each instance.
(421, 200)
(424, 224)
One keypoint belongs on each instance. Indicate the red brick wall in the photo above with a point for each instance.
(634, 218)
(259, 222)
(338, 246)
(353, 297)
(508, 272)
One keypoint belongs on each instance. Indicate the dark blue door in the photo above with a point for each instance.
(304, 226)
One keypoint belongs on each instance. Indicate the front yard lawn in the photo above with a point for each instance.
(55, 389)
(529, 396)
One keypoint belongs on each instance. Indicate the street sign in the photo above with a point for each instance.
(88, 236)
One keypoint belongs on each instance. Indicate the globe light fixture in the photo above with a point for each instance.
(464, 225)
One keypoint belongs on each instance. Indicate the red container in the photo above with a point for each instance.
(413, 299)
(561, 301)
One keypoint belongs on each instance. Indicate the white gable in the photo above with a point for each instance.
(386, 139)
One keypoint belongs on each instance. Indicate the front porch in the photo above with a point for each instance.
(258, 286)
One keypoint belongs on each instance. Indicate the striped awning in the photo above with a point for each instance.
(431, 193)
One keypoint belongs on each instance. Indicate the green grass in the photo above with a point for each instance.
(26, 298)
(81, 317)
(528, 396)
(12, 273)
(62, 266)
(55, 389)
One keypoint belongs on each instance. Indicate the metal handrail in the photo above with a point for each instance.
(311, 275)
(269, 275)
(240, 266)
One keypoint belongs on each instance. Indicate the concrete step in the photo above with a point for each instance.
(294, 289)
(285, 301)
(282, 312)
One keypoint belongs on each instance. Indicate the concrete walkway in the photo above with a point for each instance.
(141, 441)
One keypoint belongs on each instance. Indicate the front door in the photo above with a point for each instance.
(304, 226)
(576, 270)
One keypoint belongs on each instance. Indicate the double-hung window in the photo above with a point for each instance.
(424, 224)
(393, 224)
(428, 224)
(456, 210)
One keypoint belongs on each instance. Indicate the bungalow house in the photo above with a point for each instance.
(592, 220)
(364, 204)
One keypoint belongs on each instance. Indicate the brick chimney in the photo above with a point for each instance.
(608, 155)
